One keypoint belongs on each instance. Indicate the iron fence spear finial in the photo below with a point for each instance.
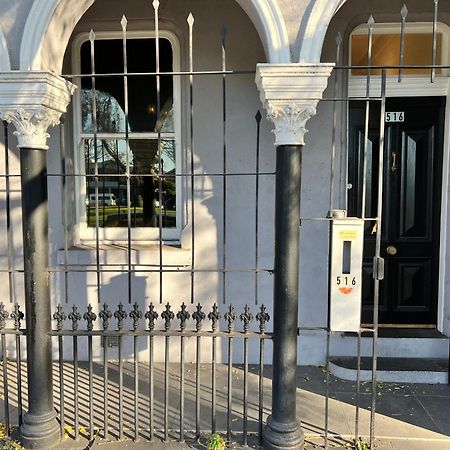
(17, 315)
(198, 316)
(3, 316)
(105, 315)
(136, 315)
(151, 315)
(183, 315)
(60, 316)
(90, 317)
(246, 318)
(168, 316)
(230, 317)
(75, 317)
(214, 316)
(262, 317)
(120, 315)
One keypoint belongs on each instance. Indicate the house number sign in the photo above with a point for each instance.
(397, 116)
(346, 251)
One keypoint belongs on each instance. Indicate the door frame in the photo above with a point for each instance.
(416, 86)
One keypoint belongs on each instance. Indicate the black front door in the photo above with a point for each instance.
(411, 205)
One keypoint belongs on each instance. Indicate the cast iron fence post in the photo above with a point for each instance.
(290, 93)
(32, 114)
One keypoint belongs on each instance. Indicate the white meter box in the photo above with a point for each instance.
(347, 239)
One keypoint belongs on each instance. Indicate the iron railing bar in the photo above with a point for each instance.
(197, 388)
(166, 73)
(258, 118)
(159, 151)
(213, 383)
(403, 13)
(91, 389)
(166, 388)
(127, 150)
(151, 387)
(5, 382)
(75, 386)
(96, 180)
(327, 382)
(250, 72)
(229, 387)
(224, 166)
(120, 356)
(329, 219)
(157, 174)
(106, 388)
(9, 331)
(136, 389)
(366, 119)
(55, 270)
(182, 352)
(434, 45)
(64, 207)
(377, 255)
(245, 402)
(261, 391)
(9, 231)
(190, 21)
(19, 380)
(62, 419)
(358, 380)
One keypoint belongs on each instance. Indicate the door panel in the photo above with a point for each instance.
(411, 206)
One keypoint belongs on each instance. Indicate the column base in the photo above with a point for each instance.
(40, 431)
(281, 436)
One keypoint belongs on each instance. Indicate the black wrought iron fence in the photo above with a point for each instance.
(124, 393)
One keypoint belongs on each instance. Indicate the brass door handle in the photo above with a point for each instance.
(394, 162)
(391, 250)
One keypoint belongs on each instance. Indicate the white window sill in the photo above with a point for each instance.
(117, 255)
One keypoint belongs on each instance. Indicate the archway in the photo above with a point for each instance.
(51, 22)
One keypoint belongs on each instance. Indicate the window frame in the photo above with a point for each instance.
(412, 85)
(111, 235)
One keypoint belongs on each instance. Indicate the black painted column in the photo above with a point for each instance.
(283, 428)
(35, 102)
(40, 428)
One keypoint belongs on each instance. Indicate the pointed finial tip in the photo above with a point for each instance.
(91, 35)
(371, 20)
(124, 22)
(339, 38)
(155, 4)
(190, 19)
(404, 11)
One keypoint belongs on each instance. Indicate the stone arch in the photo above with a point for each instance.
(316, 28)
(5, 65)
(50, 24)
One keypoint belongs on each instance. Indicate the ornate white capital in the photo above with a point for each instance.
(290, 93)
(33, 102)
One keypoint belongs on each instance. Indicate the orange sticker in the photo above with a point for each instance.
(346, 290)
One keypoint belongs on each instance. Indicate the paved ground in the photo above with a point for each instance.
(409, 416)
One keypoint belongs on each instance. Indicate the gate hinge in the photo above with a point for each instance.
(378, 268)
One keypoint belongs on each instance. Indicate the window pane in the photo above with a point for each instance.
(146, 203)
(142, 90)
(386, 52)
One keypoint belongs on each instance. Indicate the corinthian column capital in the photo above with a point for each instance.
(290, 93)
(33, 102)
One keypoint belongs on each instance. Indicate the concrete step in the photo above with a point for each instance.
(394, 343)
(399, 370)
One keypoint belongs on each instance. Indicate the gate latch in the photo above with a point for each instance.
(378, 268)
